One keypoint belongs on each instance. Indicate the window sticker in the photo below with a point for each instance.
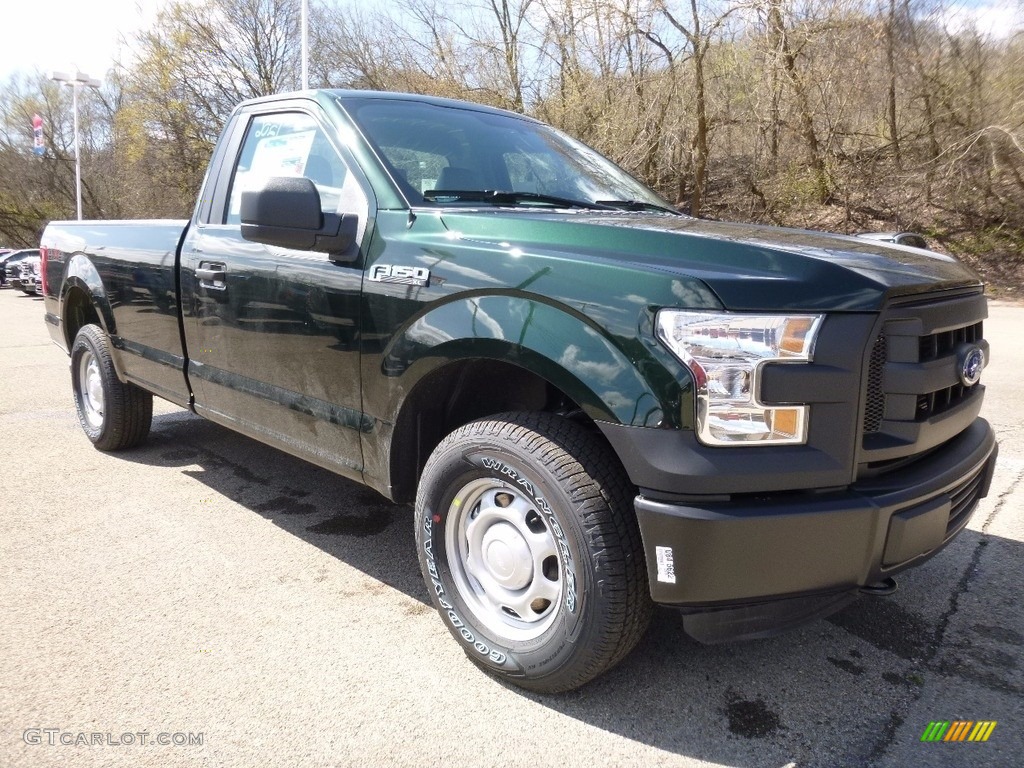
(274, 155)
(282, 155)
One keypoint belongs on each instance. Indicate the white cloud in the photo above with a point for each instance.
(63, 34)
(996, 20)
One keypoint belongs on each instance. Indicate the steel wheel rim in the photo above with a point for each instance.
(504, 559)
(90, 385)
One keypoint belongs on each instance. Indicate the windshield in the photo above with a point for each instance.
(445, 155)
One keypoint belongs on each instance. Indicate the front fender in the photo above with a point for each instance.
(600, 372)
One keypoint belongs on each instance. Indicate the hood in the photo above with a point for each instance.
(749, 267)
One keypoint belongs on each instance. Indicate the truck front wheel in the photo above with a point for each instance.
(530, 550)
(114, 415)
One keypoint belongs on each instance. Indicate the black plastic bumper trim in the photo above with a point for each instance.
(750, 622)
(791, 545)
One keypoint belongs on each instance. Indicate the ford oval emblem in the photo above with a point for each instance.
(972, 360)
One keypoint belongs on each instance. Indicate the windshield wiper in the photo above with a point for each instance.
(500, 197)
(636, 205)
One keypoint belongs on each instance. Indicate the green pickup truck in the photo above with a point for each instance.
(595, 402)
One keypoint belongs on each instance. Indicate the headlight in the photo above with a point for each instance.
(725, 352)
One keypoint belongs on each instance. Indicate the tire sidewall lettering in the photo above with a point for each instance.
(484, 648)
(82, 345)
(496, 656)
(565, 560)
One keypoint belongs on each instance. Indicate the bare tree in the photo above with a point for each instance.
(35, 188)
(842, 114)
(700, 30)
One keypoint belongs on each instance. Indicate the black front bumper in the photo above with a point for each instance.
(795, 554)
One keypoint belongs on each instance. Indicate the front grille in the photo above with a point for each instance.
(914, 398)
(936, 345)
(875, 409)
(927, 404)
(941, 400)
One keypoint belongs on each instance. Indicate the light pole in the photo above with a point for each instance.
(304, 45)
(76, 81)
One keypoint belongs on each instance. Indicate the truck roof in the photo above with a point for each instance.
(343, 95)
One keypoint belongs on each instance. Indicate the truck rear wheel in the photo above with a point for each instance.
(530, 550)
(114, 415)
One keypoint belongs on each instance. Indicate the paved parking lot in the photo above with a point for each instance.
(208, 588)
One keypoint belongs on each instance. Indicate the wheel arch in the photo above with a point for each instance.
(605, 367)
(461, 391)
(84, 299)
(483, 354)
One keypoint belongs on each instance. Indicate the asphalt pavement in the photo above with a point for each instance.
(248, 609)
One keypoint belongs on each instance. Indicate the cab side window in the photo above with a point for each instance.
(292, 144)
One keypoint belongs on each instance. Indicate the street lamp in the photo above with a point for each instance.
(76, 81)
(304, 46)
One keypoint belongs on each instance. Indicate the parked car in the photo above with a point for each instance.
(900, 238)
(11, 265)
(5, 255)
(30, 279)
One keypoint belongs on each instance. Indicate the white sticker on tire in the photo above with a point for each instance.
(666, 565)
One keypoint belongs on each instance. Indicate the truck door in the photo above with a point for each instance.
(272, 333)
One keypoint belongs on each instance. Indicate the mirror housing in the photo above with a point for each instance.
(286, 213)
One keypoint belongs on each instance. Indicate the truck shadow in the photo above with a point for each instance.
(835, 692)
(334, 514)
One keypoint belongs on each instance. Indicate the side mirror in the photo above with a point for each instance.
(911, 239)
(286, 213)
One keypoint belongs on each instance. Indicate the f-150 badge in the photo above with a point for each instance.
(388, 273)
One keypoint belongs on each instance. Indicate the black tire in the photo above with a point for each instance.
(530, 549)
(114, 415)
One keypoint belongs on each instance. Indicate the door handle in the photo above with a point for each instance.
(211, 276)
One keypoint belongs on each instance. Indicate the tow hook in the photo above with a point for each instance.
(880, 588)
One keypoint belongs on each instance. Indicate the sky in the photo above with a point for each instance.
(64, 34)
(998, 19)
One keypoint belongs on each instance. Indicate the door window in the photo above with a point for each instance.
(293, 144)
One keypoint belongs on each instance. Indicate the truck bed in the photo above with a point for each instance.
(131, 267)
